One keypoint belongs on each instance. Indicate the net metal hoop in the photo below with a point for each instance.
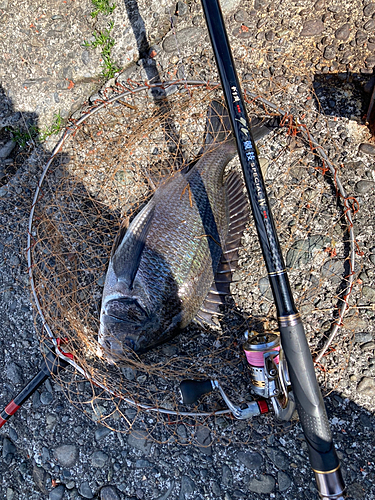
(173, 86)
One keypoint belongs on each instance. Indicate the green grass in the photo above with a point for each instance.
(22, 137)
(104, 40)
(103, 7)
(33, 133)
(54, 129)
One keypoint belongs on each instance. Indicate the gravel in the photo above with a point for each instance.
(265, 484)
(66, 455)
(368, 149)
(50, 450)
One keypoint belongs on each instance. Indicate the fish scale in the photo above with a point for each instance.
(188, 253)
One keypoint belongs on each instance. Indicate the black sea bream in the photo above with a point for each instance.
(173, 263)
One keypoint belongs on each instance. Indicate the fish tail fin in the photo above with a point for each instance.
(218, 126)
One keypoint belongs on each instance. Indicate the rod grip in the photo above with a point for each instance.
(309, 400)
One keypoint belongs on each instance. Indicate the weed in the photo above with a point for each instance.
(54, 129)
(102, 6)
(104, 40)
(22, 137)
(34, 134)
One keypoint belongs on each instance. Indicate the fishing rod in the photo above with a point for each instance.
(309, 401)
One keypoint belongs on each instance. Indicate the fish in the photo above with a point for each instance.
(173, 264)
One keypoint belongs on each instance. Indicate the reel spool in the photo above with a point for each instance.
(269, 375)
(262, 354)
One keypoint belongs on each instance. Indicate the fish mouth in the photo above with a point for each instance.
(125, 327)
(119, 339)
(118, 351)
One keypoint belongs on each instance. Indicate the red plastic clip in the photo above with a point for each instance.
(60, 342)
(263, 406)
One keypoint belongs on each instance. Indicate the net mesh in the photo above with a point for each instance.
(104, 171)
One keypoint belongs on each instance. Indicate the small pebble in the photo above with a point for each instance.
(368, 149)
(227, 476)
(368, 292)
(312, 28)
(102, 432)
(368, 346)
(370, 61)
(109, 493)
(369, 10)
(14, 373)
(85, 490)
(265, 484)
(284, 481)
(260, 4)
(343, 32)
(141, 464)
(57, 493)
(329, 52)
(364, 186)
(66, 455)
(181, 9)
(6, 150)
(362, 337)
(367, 386)
(333, 270)
(99, 459)
(252, 460)
(46, 398)
(13, 434)
(187, 487)
(241, 16)
(203, 436)
(8, 448)
(370, 25)
(278, 458)
(138, 439)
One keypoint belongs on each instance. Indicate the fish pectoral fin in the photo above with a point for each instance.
(128, 250)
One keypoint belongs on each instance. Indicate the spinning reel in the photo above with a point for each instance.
(269, 380)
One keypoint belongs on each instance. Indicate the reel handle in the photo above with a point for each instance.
(192, 390)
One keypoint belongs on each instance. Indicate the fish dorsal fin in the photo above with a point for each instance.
(260, 127)
(218, 126)
(128, 247)
(218, 129)
(120, 236)
(238, 215)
